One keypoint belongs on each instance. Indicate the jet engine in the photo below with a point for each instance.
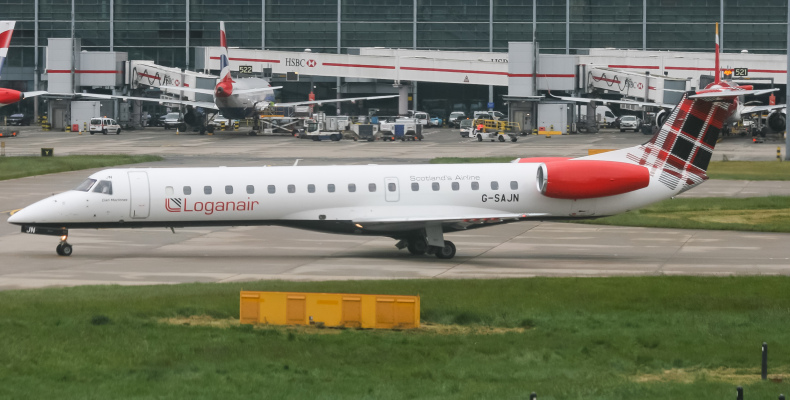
(661, 117)
(777, 121)
(585, 179)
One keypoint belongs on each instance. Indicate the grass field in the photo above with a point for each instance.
(763, 214)
(732, 170)
(18, 167)
(587, 338)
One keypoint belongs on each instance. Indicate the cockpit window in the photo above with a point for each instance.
(103, 187)
(86, 185)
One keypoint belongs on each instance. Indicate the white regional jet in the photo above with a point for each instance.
(238, 98)
(413, 204)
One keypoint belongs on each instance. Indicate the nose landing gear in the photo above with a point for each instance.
(63, 249)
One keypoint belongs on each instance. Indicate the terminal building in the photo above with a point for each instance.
(180, 33)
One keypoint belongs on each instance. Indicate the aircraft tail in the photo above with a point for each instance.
(6, 30)
(681, 150)
(224, 62)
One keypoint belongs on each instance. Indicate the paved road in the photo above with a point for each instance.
(157, 256)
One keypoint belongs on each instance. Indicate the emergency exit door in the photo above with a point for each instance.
(139, 195)
(391, 189)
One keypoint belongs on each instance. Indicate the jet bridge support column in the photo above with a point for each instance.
(592, 121)
(403, 98)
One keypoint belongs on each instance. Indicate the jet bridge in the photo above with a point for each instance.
(633, 85)
(143, 73)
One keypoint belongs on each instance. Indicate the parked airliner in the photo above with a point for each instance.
(413, 204)
(234, 98)
(10, 96)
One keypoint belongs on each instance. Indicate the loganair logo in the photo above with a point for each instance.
(208, 207)
(173, 205)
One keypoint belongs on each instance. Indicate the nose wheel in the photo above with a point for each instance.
(63, 249)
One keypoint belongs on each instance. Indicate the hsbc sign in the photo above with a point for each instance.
(299, 62)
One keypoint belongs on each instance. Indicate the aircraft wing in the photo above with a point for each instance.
(757, 109)
(605, 101)
(729, 93)
(34, 94)
(301, 103)
(211, 91)
(202, 104)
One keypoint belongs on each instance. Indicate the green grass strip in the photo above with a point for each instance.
(18, 167)
(572, 338)
(763, 214)
(731, 170)
(750, 170)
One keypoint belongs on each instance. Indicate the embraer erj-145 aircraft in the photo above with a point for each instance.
(413, 204)
(10, 96)
(238, 98)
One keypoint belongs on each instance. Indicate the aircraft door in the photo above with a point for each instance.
(140, 195)
(391, 189)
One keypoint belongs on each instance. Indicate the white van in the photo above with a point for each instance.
(603, 115)
(104, 125)
(419, 117)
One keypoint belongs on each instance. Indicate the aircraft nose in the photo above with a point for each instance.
(19, 217)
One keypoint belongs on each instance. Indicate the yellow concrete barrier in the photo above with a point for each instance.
(549, 133)
(330, 309)
(598, 151)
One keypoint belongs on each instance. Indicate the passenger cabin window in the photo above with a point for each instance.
(103, 187)
(371, 187)
(187, 190)
(169, 191)
(250, 189)
(456, 186)
(352, 187)
(311, 188)
(514, 185)
(475, 185)
(494, 185)
(392, 187)
(435, 186)
(270, 189)
(228, 189)
(291, 188)
(85, 185)
(330, 188)
(415, 186)
(206, 189)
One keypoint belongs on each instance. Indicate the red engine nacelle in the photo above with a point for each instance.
(585, 179)
(10, 96)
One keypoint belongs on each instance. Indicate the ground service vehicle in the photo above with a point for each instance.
(104, 125)
(466, 127)
(489, 129)
(18, 119)
(629, 122)
(173, 121)
(455, 118)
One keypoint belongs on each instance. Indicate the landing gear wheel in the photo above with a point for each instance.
(63, 249)
(447, 252)
(501, 138)
(417, 246)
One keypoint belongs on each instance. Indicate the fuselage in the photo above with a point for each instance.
(240, 105)
(373, 199)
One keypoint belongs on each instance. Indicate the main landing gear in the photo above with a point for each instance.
(64, 248)
(430, 241)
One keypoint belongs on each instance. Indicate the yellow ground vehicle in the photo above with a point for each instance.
(494, 130)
